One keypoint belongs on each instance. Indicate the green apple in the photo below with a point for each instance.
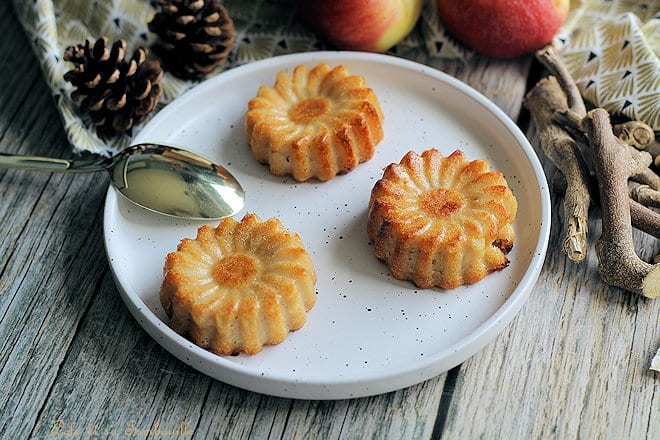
(368, 25)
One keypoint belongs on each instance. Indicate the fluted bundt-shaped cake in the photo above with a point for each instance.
(317, 122)
(238, 286)
(442, 221)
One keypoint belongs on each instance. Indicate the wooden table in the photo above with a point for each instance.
(75, 364)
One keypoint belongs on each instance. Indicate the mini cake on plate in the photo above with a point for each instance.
(238, 286)
(442, 221)
(316, 122)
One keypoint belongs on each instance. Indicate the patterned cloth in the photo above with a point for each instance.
(266, 28)
(611, 49)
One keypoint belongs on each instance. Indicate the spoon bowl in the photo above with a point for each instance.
(161, 178)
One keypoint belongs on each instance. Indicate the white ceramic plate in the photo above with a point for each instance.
(368, 332)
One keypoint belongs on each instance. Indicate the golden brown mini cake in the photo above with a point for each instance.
(238, 286)
(314, 123)
(442, 221)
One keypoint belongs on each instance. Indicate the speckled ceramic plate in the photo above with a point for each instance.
(368, 332)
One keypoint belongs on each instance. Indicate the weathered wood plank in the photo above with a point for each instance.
(47, 292)
(502, 81)
(49, 243)
(116, 381)
(407, 413)
(75, 361)
(573, 364)
(49, 280)
(412, 407)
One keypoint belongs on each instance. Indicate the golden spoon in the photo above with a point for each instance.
(160, 178)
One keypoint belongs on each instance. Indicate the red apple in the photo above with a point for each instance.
(369, 25)
(503, 28)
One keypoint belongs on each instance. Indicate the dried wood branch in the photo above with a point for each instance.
(570, 121)
(635, 133)
(618, 264)
(641, 160)
(645, 219)
(549, 57)
(642, 218)
(648, 177)
(614, 163)
(564, 152)
(645, 195)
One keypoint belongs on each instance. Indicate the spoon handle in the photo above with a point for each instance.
(49, 164)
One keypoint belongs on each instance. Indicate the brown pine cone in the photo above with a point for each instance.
(195, 36)
(117, 92)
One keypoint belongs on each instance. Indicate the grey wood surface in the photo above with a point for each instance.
(75, 364)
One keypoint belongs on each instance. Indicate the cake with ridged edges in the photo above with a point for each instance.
(314, 123)
(238, 286)
(442, 221)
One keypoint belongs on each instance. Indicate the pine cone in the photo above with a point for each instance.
(117, 92)
(195, 36)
